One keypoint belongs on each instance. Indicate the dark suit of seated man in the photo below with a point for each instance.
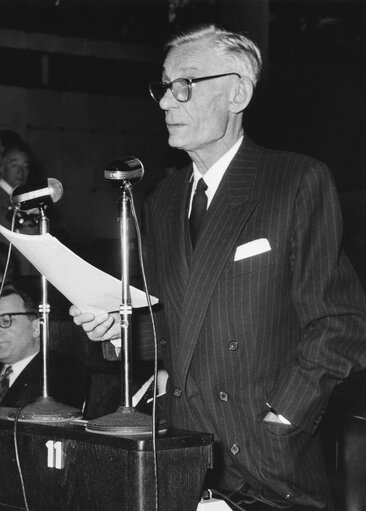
(20, 357)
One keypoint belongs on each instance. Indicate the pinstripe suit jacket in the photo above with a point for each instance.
(281, 327)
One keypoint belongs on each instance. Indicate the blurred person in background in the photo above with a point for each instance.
(7, 139)
(15, 169)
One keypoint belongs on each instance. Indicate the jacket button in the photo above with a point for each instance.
(233, 345)
(224, 396)
(163, 342)
(177, 392)
(235, 449)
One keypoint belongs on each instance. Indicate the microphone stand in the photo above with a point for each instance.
(45, 408)
(125, 311)
(126, 420)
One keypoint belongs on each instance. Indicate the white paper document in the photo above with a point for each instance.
(87, 287)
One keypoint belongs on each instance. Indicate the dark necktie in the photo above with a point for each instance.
(198, 210)
(4, 382)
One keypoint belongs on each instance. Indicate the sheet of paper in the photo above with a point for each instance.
(87, 287)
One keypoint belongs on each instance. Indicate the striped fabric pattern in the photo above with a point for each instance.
(282, 327)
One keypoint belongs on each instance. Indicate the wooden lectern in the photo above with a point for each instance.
(66, 468)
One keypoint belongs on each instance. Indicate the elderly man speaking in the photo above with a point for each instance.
(261, 312)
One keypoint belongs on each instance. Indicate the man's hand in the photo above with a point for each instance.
(103, 327)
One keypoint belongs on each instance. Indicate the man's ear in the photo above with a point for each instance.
(36, 328)
(242, 95)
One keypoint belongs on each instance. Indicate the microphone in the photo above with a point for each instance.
(34, 195)
(127, 169)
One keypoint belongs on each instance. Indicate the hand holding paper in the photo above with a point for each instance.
(99, 327)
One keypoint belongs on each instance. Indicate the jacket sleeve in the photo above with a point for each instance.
(329, 301)
(142, 326)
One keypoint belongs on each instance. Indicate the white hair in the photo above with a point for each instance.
(243, 51)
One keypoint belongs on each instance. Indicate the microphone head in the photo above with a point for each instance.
(56, 189)
(126, 169)
(45, 192)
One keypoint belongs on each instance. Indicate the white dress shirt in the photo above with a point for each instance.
(17, 368)
(6, 187)
(214, 174)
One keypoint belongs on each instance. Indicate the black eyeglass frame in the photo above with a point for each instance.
(188, 81)
(11, 314)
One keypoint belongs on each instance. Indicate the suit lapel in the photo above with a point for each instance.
(225, 219)
(30, 374)
(175, 256)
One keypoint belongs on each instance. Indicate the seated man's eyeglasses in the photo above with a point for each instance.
(181, 87)
(6, 320)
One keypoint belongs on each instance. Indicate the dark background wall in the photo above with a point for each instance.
(73, 83)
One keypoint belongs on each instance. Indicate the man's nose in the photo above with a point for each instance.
(168, 100)
(22, 171)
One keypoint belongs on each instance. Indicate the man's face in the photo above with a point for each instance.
(16, 168)
(21, 339)
(205, 118)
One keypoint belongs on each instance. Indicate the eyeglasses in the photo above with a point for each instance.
(6, 320)
(181, 87)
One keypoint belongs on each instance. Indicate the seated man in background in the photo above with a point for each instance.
(8, 138)
(15, 169)
(20, 357)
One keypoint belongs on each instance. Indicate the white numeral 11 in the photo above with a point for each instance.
(55, 458)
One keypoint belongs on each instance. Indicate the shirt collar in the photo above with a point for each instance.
(6, 187)
(216, 172)
(18, 367)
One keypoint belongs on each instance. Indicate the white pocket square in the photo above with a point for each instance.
(252, 248)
